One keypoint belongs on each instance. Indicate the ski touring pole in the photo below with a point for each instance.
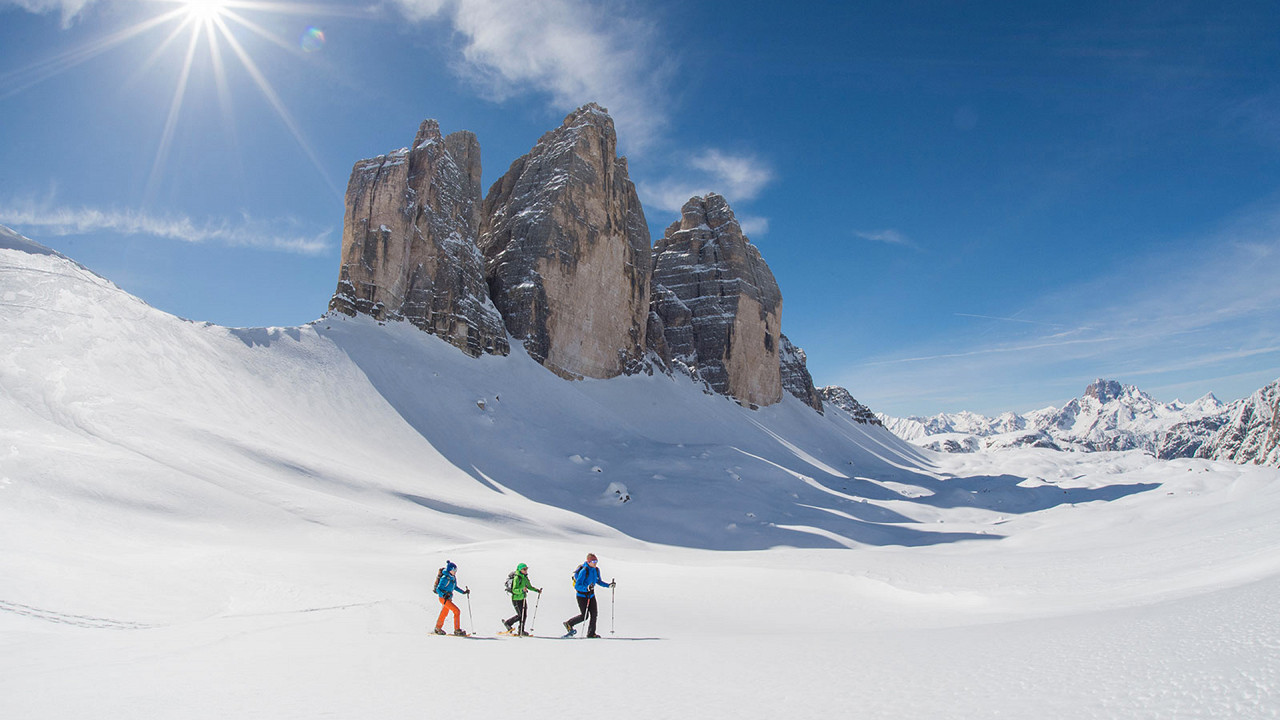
(470, 617)
(613, 604)
(534, 619)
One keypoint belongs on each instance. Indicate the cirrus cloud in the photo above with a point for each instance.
(888, 236)
(248, 232)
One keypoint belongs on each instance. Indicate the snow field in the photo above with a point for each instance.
(203, 522)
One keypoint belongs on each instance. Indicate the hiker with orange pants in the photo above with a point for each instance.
(446, 584)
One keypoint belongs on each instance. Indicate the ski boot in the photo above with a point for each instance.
(438, 631)
(458, 633)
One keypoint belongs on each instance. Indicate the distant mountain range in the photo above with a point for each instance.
(1112, 416)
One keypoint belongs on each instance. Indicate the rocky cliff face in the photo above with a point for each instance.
(567, 251)
(1186, 439)
(794, 367)
(409, 242)
(839, 397)
(718, 304)
(1251, 433)
(558, 256)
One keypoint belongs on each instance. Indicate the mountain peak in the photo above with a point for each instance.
(1104, 391)
(589, 114)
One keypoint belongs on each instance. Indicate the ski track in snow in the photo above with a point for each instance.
(82, 621)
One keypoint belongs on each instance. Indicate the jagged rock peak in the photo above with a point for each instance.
(567, 251)
(718, 303)
(841, 398)
(796, 379)
(1104, 391)
(409, 242)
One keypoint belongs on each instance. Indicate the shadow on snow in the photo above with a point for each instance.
(563, 446)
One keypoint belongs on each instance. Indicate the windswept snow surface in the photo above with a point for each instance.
(203, 522)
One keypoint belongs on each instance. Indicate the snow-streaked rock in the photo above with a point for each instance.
(409, 242)
(795, 374)
(841, 398)
(567, 251)
(1251, 431)
(718, 303)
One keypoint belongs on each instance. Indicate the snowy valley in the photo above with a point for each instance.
(204, 522)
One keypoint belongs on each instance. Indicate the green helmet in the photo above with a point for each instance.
(521, 567)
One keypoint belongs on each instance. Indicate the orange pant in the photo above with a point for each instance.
(444, 612)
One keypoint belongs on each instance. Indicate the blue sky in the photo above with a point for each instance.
(976, 206)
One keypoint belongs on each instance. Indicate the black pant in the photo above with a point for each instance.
(586, 609)
(522, 611)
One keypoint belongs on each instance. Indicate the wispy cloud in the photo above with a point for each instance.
(69, 9)
(752, 225)
(743, 176)
(889, 237)
(573, 50)
(47, 219)
(739, 178)
(1208, 308)
(1024, 321)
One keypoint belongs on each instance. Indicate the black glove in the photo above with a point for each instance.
(467, 591)
(613, 584)
(538, 590)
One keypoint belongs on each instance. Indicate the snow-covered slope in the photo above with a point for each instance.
(204, 522)
(403, 415)
(1108, 416)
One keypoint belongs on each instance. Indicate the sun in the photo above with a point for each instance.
(203, 31)
(203, 11)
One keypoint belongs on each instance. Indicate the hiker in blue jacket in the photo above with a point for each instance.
(446, 585)
(585, 580)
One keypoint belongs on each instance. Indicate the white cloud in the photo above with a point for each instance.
(889, 237)
(753, 225)
(739, 178)
(69, 9)
(742, 177)
(248, 232)
(576, 51)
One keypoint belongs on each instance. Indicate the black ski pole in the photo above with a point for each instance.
(470, 617)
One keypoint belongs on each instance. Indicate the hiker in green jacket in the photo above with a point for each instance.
(519, 587)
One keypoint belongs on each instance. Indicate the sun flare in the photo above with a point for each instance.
(196, 32)
(203, 11)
